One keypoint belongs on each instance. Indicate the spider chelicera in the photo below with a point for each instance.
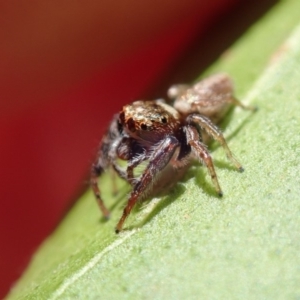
(167, 137)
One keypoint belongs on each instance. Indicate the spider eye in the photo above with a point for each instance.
(144, 126)
(164, 120)
(131, 124)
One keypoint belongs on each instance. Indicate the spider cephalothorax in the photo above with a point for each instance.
(149, 121)
(167, 137)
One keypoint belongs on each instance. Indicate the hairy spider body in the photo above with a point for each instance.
(168, 138)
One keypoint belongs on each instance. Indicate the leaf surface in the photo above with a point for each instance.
(192, 244)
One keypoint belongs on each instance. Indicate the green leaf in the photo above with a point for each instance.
(192, 244)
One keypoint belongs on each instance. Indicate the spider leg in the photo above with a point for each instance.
(104, 160)
(119, 149)
(212, 130)
(133, 164)
(123, 151)
(114, 182)
(237, 102)
(119, 170)
(201, 152)
(128, 174)
(158, 160)
(96, 172)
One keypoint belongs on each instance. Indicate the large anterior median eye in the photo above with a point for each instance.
(144, 126)
(131, 124)
(164, 120)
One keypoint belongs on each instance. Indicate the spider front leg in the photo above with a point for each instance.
(211, 129)
(201, 152)
(96, 172)
(157, 162)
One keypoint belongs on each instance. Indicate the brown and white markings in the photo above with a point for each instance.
(168, 138)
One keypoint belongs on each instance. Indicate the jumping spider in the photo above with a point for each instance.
(167, 137)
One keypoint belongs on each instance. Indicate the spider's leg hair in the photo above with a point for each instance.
(204, 123)
(201, 152)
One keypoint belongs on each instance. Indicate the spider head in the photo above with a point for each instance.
(148, 120)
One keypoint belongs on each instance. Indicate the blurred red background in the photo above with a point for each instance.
(65, 68)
